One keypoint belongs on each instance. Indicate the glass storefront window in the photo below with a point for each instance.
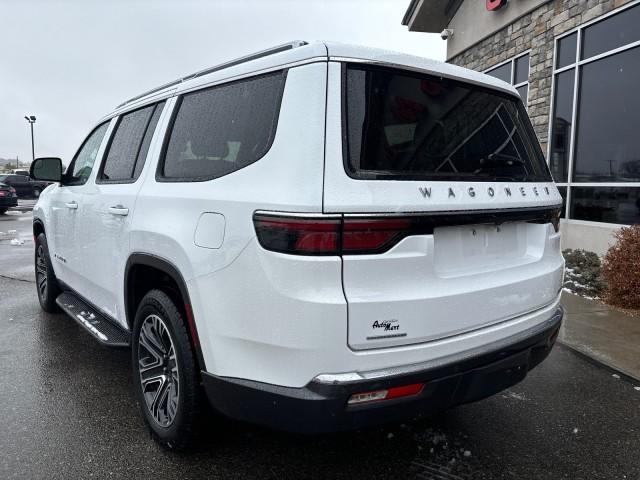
(561, 127)
(515, 72)
(606, 204)
(521, 72)
(502, 72)
(566, 54)
(594, 150)
(612, 32)
(607, 141)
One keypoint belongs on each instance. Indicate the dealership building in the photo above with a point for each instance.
(576, 64)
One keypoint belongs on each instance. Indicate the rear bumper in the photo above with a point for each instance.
(6, 202)
(321, 406)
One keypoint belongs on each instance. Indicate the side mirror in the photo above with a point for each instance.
(48, 169)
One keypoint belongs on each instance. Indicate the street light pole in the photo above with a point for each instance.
(31, 119)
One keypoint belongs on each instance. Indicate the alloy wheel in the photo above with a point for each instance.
(158, 369)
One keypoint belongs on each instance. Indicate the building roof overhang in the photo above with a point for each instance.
(430, 15)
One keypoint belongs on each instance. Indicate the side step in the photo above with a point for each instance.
(102, 328)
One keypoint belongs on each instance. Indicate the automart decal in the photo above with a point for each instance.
(391, 326)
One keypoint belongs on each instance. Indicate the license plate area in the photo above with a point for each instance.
(473, 248)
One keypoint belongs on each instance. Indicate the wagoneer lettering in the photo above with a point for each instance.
(322, 225)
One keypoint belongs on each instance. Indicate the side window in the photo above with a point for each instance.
(223, 129)
(146, 141)
(82, 164)
(129, 144)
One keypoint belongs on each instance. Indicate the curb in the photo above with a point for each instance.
(624, 375)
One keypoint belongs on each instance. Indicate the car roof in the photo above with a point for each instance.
(301, 52)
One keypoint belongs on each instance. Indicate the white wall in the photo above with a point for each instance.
(588, 236)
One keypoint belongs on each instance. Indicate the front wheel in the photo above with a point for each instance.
(3, 211)
(36, 192)
(165, 372)
(46, 282)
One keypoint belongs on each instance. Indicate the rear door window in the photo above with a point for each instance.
(223, 129)
(129, 144)
(409, 126)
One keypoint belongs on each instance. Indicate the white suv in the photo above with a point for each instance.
(321, 236)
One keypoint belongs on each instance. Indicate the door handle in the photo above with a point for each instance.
(119, 210)
(72, 205)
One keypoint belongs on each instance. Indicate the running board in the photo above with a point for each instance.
(102, 328)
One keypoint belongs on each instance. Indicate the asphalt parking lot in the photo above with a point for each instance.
(68, 411)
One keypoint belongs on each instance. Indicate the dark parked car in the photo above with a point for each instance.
(24, 185)
(8, 198)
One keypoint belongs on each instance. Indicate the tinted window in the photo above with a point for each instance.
(521, 73)
(412, 126)
(561, 128)
(222, 129)
(606, 204)
(82, 164)
(503, 72)
(18, 179)
(607, 142)
(125, 144)
(612, 32)
(146, 141)
(566, 54)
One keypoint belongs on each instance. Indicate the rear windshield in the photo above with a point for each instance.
(402, 125)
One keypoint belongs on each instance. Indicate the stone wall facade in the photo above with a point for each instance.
(535, 31)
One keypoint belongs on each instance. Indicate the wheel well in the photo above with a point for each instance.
(144, 273)
(38, 228)
(143, 278)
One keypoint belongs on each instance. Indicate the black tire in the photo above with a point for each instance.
(178, 407)
(3, 211)
(36, 192)
(46, 282)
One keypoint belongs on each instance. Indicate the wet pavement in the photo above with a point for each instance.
(67, 411)
(605, 333)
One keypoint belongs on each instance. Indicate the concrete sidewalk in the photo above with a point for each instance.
(607, 335)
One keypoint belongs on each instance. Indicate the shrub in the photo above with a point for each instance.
(583, 273)
(621, 269)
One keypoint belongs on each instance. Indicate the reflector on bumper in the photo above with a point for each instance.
(388, 394)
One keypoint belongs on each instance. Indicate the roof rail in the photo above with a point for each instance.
(247, 58)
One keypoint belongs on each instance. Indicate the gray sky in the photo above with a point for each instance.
(71, 62)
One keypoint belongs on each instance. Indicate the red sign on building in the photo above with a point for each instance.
(495, 4)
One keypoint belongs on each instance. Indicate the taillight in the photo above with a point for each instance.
(361, 234)
(299, 235)
(372, 235)
(328, 235)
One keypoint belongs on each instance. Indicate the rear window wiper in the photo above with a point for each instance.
(502, 159)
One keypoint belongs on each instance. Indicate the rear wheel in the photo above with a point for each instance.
(165, 372)
(46, 282)
(3, 211)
